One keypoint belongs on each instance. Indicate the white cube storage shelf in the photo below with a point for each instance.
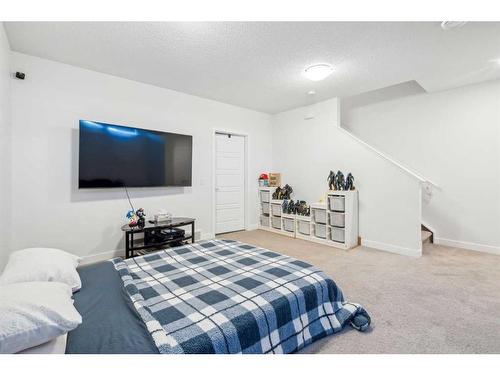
(264, 220)
(288, 224)
(336, 203)
(320, 230)
(265, 196)
(342, 207)
(319, 215)
(337, 219)
(276, 209)
(334, 223)
(303, 227)
(337, 234)
(276, 222)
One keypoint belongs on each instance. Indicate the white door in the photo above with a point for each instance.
(229, 183)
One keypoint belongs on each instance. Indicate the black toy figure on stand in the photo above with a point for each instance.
(336, 181)
(331, 180)
(349, 182)
(287, 191)
(339, 181)
(141, 218)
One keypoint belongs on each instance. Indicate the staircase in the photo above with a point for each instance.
(427, 235)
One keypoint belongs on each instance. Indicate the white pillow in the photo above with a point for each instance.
(34, 313)
(42, 264)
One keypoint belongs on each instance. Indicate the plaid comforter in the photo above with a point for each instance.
(223, 296)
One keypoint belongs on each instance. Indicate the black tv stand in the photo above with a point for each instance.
(134, 247)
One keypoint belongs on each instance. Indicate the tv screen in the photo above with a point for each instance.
(120, 156)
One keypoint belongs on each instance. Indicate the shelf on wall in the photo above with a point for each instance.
(338, 204)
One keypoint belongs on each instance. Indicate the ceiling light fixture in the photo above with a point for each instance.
(448, 25)
(318, 72)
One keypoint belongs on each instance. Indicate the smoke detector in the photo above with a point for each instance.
(449, 25)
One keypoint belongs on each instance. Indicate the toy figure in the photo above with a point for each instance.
(263, 180)
(349, 182)
(331, 180)
(339, 181)
(287, 191)
(132, 218)
(284, 206)
(141, 221)
(304, 208)
(277, 193)
(301, 208)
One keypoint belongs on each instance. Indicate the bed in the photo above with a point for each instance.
(215, 296)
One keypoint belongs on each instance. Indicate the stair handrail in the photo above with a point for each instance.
(400, 165)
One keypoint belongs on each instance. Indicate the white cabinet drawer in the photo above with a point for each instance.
(336, 202)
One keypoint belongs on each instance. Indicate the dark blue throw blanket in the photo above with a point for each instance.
(223, 296)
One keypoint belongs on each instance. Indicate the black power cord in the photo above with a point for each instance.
(129, 201)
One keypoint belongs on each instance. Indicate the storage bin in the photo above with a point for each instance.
(276, 222)
(265, 208)
(337, 219)
(264, 220)
(319, 215)
(288, 224)
(320, 230)
(264, 196)
(337, 234)
(304, 227)
(337, 202)
(276, 209)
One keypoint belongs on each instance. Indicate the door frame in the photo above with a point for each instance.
(214, 177)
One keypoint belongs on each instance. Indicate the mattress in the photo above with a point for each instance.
(217, 296)
(56, 346)
(110, 323)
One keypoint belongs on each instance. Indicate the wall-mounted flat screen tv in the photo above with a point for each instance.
(119, 156)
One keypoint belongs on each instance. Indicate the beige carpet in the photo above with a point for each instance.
(447, 301)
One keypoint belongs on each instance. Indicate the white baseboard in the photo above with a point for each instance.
(94, 258)
(207, 236)
(392, 248)
(253, 226)
(468, 245)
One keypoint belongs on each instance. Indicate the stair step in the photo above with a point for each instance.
(426, 236)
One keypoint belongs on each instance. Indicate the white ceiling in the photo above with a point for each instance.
(259, 65)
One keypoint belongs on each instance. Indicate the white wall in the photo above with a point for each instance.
(304, 151)
(5, 125)
(48, 208)
(453, 138)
